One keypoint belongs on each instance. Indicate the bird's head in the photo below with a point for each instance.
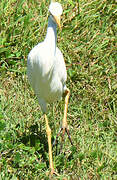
(55, 10)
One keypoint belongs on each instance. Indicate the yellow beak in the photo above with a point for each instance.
(58, 19)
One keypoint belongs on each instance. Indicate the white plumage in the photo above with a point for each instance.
(46, 66)
(46, 72)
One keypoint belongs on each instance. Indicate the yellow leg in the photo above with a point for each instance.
(64, 122)
(48, 130)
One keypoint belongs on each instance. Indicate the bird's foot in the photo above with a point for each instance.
(63, 130)
(52, 173)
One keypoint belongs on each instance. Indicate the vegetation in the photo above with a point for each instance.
(88, 42)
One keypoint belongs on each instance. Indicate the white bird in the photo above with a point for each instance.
(47, 74)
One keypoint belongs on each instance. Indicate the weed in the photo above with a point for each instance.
(88, 42)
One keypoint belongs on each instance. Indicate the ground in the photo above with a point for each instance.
(88, 43)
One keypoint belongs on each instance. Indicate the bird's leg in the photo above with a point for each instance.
(48, 130)
(64, 122)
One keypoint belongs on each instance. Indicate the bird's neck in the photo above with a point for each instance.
(51, 36)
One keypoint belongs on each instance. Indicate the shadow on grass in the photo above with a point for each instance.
(37, 138)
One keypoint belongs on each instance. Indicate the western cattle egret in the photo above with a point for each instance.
(47, 74)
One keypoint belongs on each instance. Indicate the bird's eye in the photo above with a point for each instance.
(51, 15)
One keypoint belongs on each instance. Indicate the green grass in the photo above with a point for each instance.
(88, 42)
